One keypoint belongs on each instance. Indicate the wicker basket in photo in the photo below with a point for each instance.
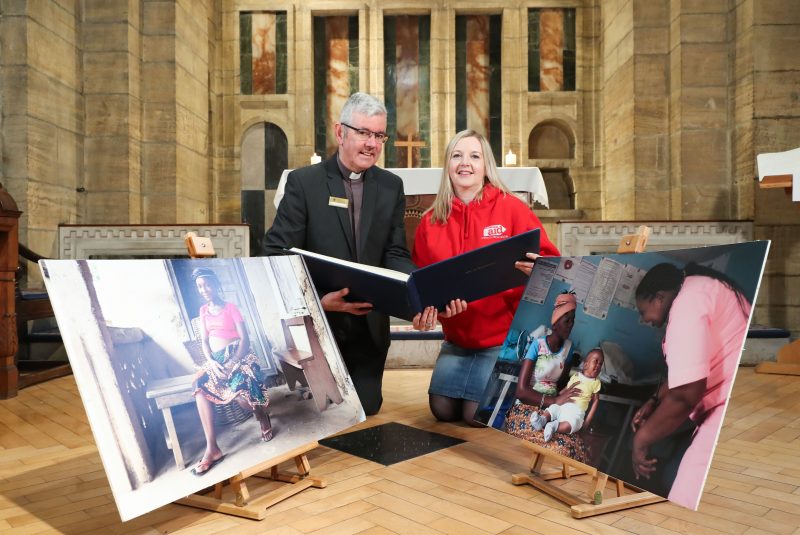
(232, 413)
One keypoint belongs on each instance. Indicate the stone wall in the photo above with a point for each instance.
(105, 108)
(42, 110)
(693, 91)
(701, 46)
(112, 43)
(619, 194)
(175, 84)
(159, 112)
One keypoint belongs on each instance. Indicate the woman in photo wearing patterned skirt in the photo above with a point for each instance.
(231, 372)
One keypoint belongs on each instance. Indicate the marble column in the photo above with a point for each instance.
(407, 87)
(263, 43)
(337, 78)
(551, 49)
(478, 73)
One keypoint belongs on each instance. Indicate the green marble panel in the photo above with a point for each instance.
(353, 67)
(533, 50)
(246, 52)
(461, 72)
(495, 86)
(280, 53)
(390, 86)
(569, 50)
(320, 89)
(425, 88)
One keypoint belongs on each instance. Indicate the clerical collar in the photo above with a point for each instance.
(346, 173)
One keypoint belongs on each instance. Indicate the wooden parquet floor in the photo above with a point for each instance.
(51, 478)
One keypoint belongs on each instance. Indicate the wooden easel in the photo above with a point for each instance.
(232, 496)
(239, 501)
(198, 246)
(581, 506)
(634, 243)
(593, 503)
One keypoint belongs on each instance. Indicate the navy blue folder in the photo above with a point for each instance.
(470, 276)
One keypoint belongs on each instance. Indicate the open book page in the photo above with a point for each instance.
(397, 275)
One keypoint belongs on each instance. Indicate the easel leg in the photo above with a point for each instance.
(303, 466)
(596, 493)
(240, 492)
(536, 463)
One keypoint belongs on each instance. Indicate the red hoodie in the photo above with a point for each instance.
(495, 217)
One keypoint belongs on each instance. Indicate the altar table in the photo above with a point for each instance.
(422, 181)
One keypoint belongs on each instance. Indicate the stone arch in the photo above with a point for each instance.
(551, 140)
(264, 156)
(551, 144)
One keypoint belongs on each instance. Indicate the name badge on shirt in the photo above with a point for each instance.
(338, 202)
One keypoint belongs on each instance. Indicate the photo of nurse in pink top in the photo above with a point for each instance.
(706, 316)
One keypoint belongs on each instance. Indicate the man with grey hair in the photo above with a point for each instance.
(349, 208)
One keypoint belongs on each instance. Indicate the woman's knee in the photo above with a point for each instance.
(445, 409)
(469, 410)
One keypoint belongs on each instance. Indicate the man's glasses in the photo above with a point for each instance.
(363, 134)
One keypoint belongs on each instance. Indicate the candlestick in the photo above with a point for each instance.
(511, 159)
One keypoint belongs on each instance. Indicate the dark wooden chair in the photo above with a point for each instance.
(32, 304)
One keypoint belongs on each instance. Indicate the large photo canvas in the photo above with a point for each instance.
(644, 348)
(192, 371)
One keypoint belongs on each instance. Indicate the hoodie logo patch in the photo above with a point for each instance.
(493, 231)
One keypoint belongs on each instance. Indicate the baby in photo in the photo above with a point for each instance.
(571, 417)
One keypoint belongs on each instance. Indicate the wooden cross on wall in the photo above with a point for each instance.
(409, 144)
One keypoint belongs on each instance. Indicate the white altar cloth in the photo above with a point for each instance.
(426, 180)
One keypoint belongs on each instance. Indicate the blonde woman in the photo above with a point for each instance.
(472, 209)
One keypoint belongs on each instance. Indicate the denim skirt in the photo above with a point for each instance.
(462, 373)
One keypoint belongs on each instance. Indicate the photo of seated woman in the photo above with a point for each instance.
(231, 373)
